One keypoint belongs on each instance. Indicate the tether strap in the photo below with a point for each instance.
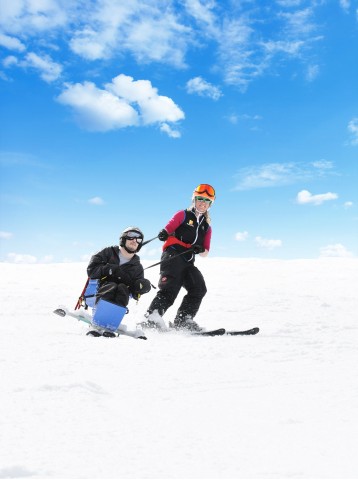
(170, 258)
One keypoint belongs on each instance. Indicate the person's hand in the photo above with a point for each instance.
(116, 272)
(163, 235)
(141, 286)
(198, 249)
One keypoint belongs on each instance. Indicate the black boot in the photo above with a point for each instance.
(185, 322)
(94, 333)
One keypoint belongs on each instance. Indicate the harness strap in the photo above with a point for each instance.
(175, 241)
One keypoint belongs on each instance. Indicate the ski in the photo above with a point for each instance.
(205, 333)
(80, 316)
(251, 331)
(209, 333)
(222, 331)
(173, 329)
(87, 318)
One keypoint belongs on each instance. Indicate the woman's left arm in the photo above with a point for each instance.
(206, 243)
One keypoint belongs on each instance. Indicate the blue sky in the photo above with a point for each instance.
(113, 111)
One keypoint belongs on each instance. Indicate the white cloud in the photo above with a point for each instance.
(158, 108)
(144, 28)
(270, 244)
(283, 46)
(96, 201)
(323, 164)
(10, 61)
(251, 120)
(6, 235)
(203, 88)
(305, 197)
(246, 41)
(312, 73)
(122, 103)
(300, 21)
(161, 38)
(233, 118)
(11, 43)
(49, 70)
(336, 250)
(27, 17)
(241, 236)
(153, 107)
(348, 204)
(353, 130)
(235, 52)
(289, 3)
(246, 52)
(279, 174)
(202, 12)
(345, 4)
(267, 175)
(164, 127)
(21, 258)
(96, 109)
(90, 45)
(272, 174)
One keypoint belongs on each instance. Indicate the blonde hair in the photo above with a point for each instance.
(207, 217)
(206, 214)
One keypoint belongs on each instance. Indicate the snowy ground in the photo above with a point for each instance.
(282, 404)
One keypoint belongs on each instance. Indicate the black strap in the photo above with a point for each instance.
(170, 258)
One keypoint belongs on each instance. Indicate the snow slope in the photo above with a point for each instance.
(281, 404)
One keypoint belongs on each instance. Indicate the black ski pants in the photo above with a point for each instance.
(114, 293)
(175, 274)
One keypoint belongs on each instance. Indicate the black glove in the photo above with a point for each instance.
(119, 275)
(141, 286)
(198, 249)
(163, 235)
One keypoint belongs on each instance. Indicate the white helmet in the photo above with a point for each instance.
(128, 234)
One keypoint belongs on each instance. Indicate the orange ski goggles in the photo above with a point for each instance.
(205, 188)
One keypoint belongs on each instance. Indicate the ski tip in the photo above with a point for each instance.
(60, 311)
(251, 331)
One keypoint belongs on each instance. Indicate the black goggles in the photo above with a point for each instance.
(134, 236)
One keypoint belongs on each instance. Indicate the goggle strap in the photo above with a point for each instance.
(205, 191)
(205, 188)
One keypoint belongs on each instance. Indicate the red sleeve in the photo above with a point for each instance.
(175, 221)
(207, 239)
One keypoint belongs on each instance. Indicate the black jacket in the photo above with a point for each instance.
(105, 266)
(191, 230)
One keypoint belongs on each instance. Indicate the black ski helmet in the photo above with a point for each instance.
(124, 237)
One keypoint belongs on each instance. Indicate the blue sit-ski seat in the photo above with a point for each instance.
(105, 314)
(108, 315)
